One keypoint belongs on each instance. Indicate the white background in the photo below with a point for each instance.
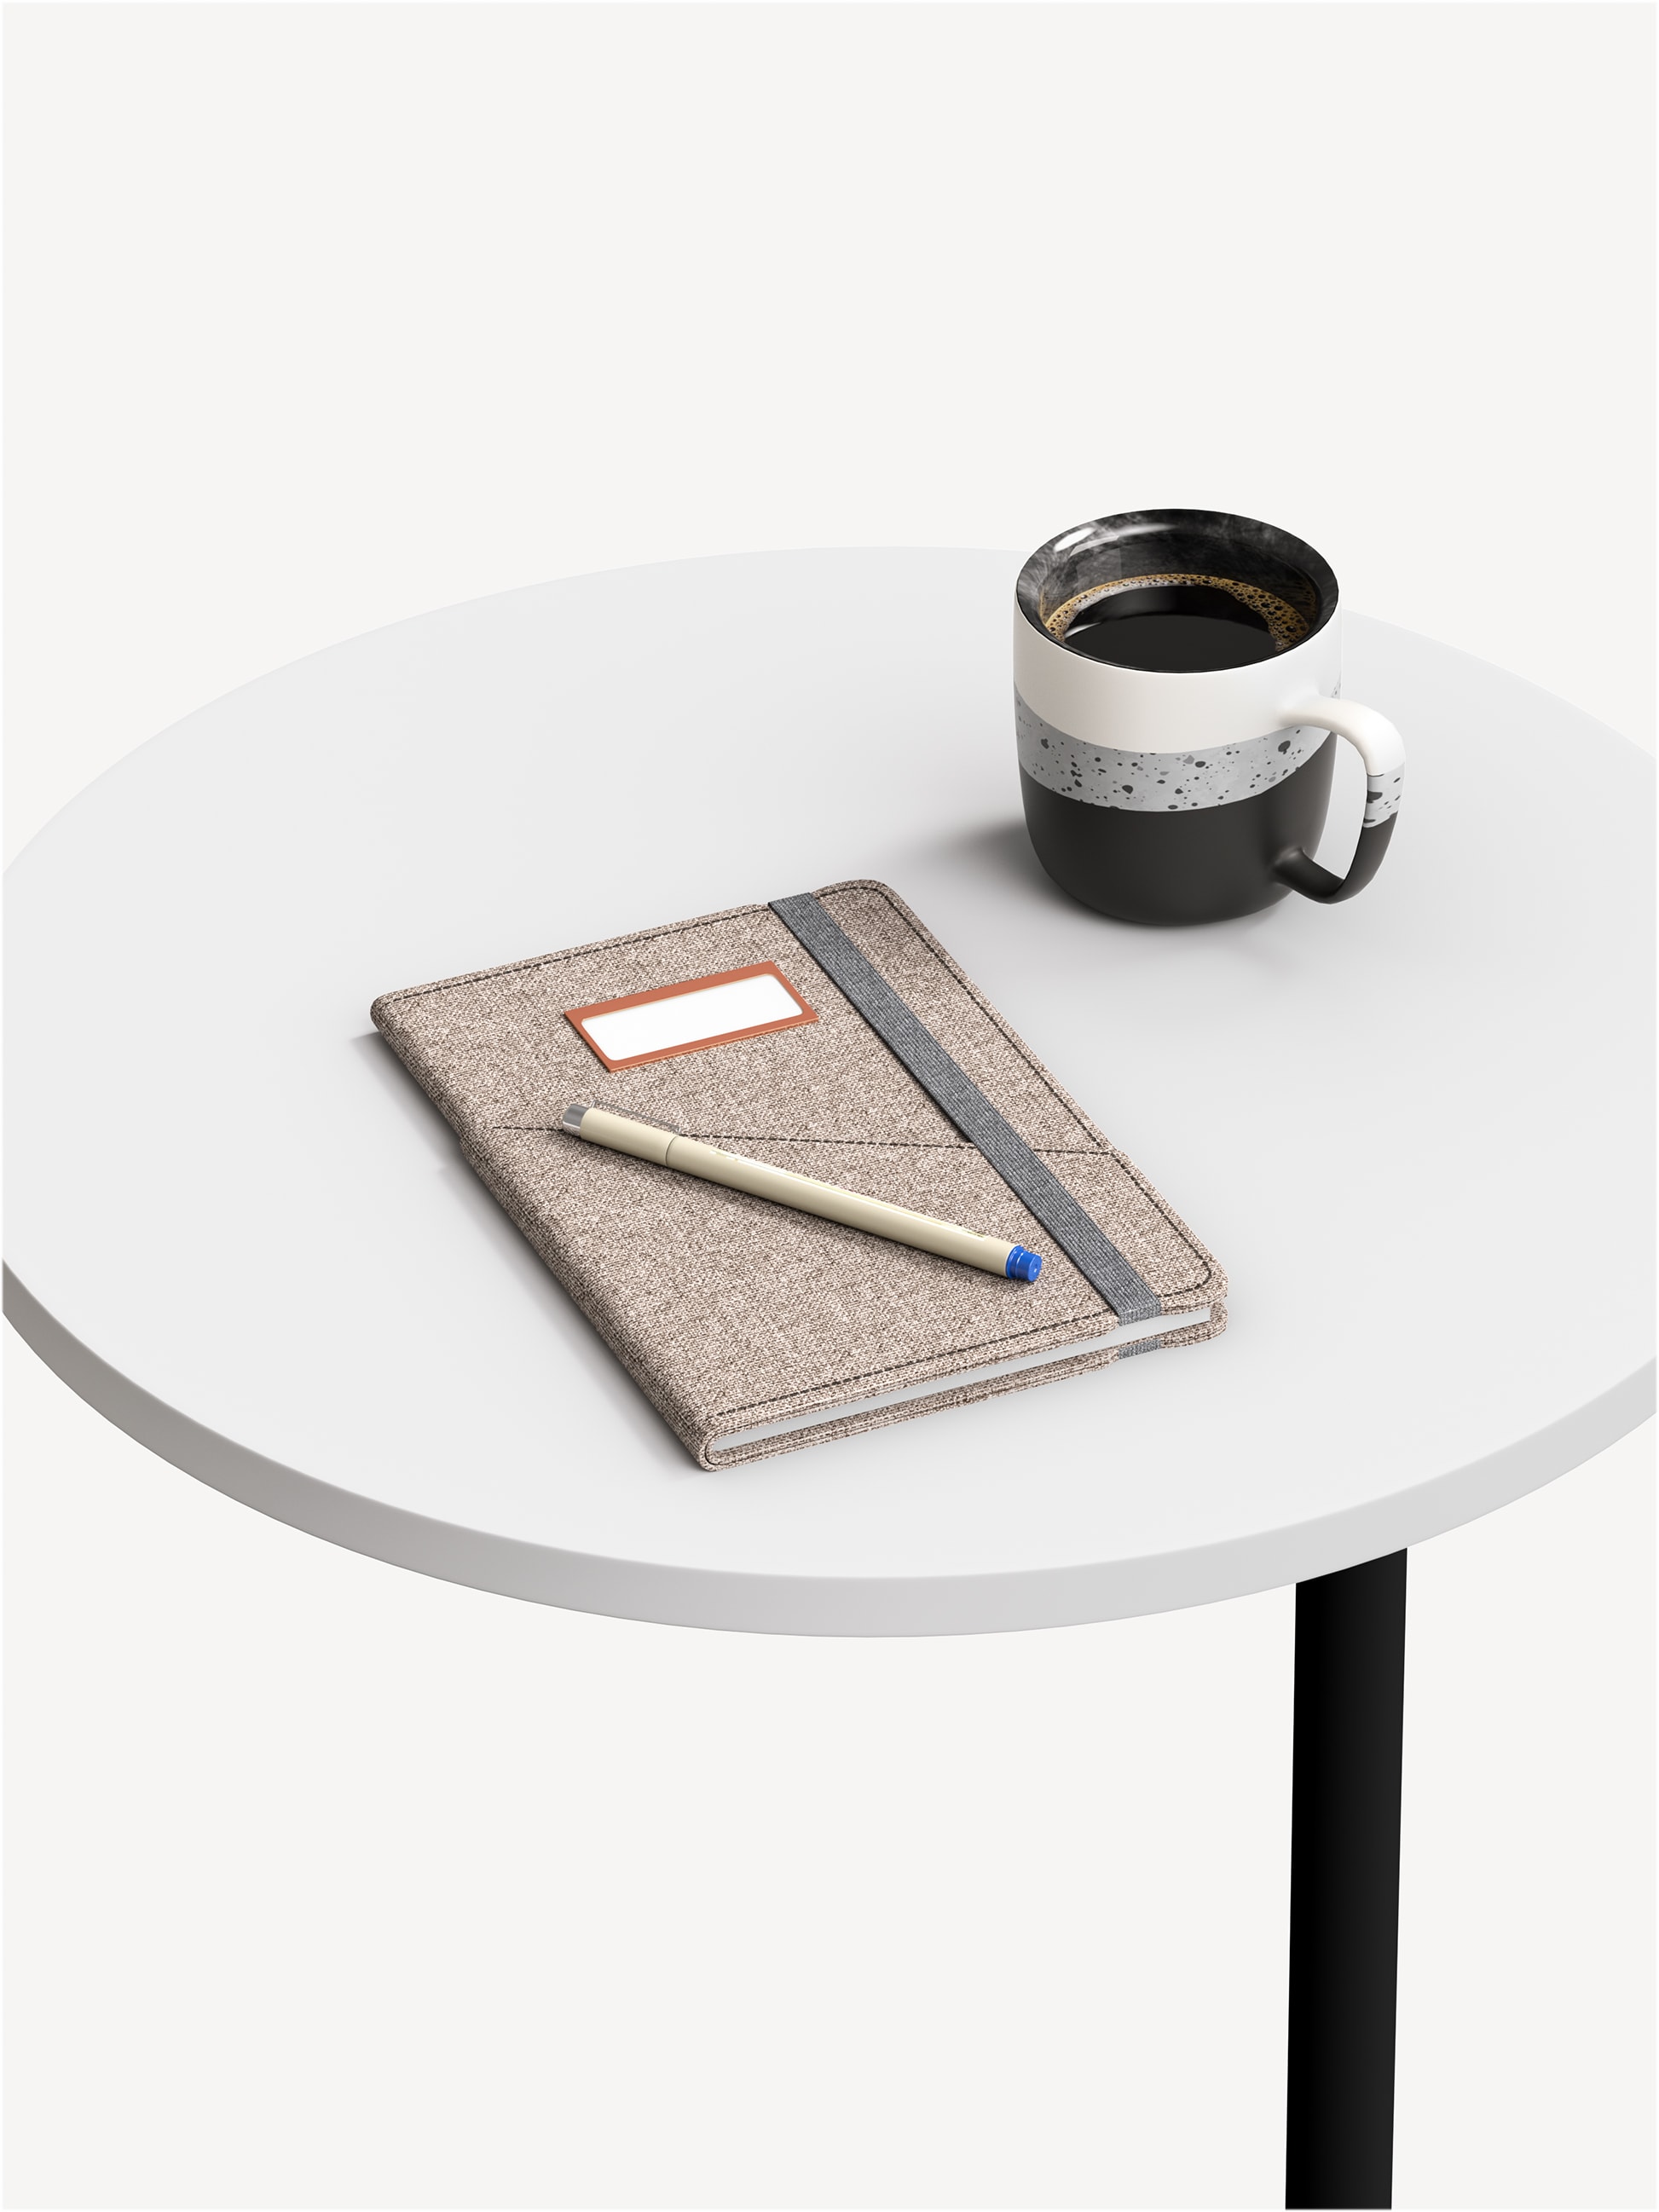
(331, 1886)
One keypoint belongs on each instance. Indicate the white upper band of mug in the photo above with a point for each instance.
(1150, 710)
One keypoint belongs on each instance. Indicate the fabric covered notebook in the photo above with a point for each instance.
(834, 1036)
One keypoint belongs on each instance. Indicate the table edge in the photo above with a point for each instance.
(791, 1605)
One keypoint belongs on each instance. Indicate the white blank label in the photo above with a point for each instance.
(691, 1017)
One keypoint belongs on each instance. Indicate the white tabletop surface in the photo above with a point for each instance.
(1414, 1129)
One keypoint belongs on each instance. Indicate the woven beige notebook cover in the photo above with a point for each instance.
(753, 1328)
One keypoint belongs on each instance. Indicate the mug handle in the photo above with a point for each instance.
(1377, 742)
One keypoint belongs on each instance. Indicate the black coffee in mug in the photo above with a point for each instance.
(1182, 625)
(1176, 674)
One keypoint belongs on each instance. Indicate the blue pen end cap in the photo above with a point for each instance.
(1023, 1267)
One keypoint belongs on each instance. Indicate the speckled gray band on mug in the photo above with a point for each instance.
(1159, 783)
(1383, 796)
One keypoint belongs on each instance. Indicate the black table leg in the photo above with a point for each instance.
(1345, 1886)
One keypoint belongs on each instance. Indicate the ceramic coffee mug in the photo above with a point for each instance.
(1177, 676)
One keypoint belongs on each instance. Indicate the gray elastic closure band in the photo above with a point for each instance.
(955, 1092)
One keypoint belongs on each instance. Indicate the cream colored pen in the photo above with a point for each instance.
(644, 1140)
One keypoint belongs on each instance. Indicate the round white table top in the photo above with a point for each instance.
(1414, 1129)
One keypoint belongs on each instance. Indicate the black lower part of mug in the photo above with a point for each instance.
(1204, 863)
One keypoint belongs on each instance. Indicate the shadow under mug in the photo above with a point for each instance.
(1188, 794)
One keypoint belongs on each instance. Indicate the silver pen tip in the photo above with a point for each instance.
(572, 1117)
